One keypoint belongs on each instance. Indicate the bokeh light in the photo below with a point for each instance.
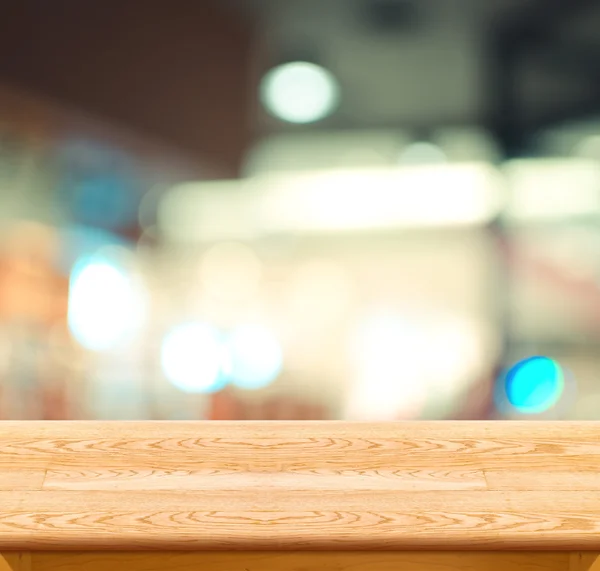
(389, 351)
(193, 357)
(255, 357)
(552, 189)
(106, 200)
(299, 92)
(99, 184)
(533, 385)
(106, 305)
(411, 362)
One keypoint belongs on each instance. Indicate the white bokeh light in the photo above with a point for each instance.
(256, 357)
(407, 361)
(106, 306)
(388, 355)
(193, 357)
(299, 92)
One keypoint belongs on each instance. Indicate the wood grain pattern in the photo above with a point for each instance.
(567, 431)
(303, 561)
(271, 446)
(237, 480)
(31, 479)
(299, 486)
(553, 481)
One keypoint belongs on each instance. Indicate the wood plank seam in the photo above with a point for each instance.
(269, 486)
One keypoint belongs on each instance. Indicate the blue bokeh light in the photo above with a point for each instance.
(256, 357)
(534, 385)
(100, 185)
(192, 358)
(105, 199)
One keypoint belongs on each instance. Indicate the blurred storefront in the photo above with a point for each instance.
(239, 227)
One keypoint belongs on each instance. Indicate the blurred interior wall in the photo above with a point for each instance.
(176, 71)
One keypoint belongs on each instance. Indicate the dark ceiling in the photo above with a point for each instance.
(176, 70)
(185, 71)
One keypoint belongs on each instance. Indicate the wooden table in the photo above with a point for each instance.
(299, 496)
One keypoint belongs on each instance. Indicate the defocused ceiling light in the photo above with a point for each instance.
(299, 92)
(552, 189)
(420, 196)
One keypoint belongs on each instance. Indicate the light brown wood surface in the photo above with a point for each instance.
(299, 486)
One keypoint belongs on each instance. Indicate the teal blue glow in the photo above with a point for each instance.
(534, 385)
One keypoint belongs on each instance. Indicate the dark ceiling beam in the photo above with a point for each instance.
(504, 109)
(535, 30)
(578, 62)
(577, 111)
(176, 71)
(540, 22)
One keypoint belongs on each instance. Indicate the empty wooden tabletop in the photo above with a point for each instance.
(299, 485)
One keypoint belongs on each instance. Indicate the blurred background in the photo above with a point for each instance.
(300, 209)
